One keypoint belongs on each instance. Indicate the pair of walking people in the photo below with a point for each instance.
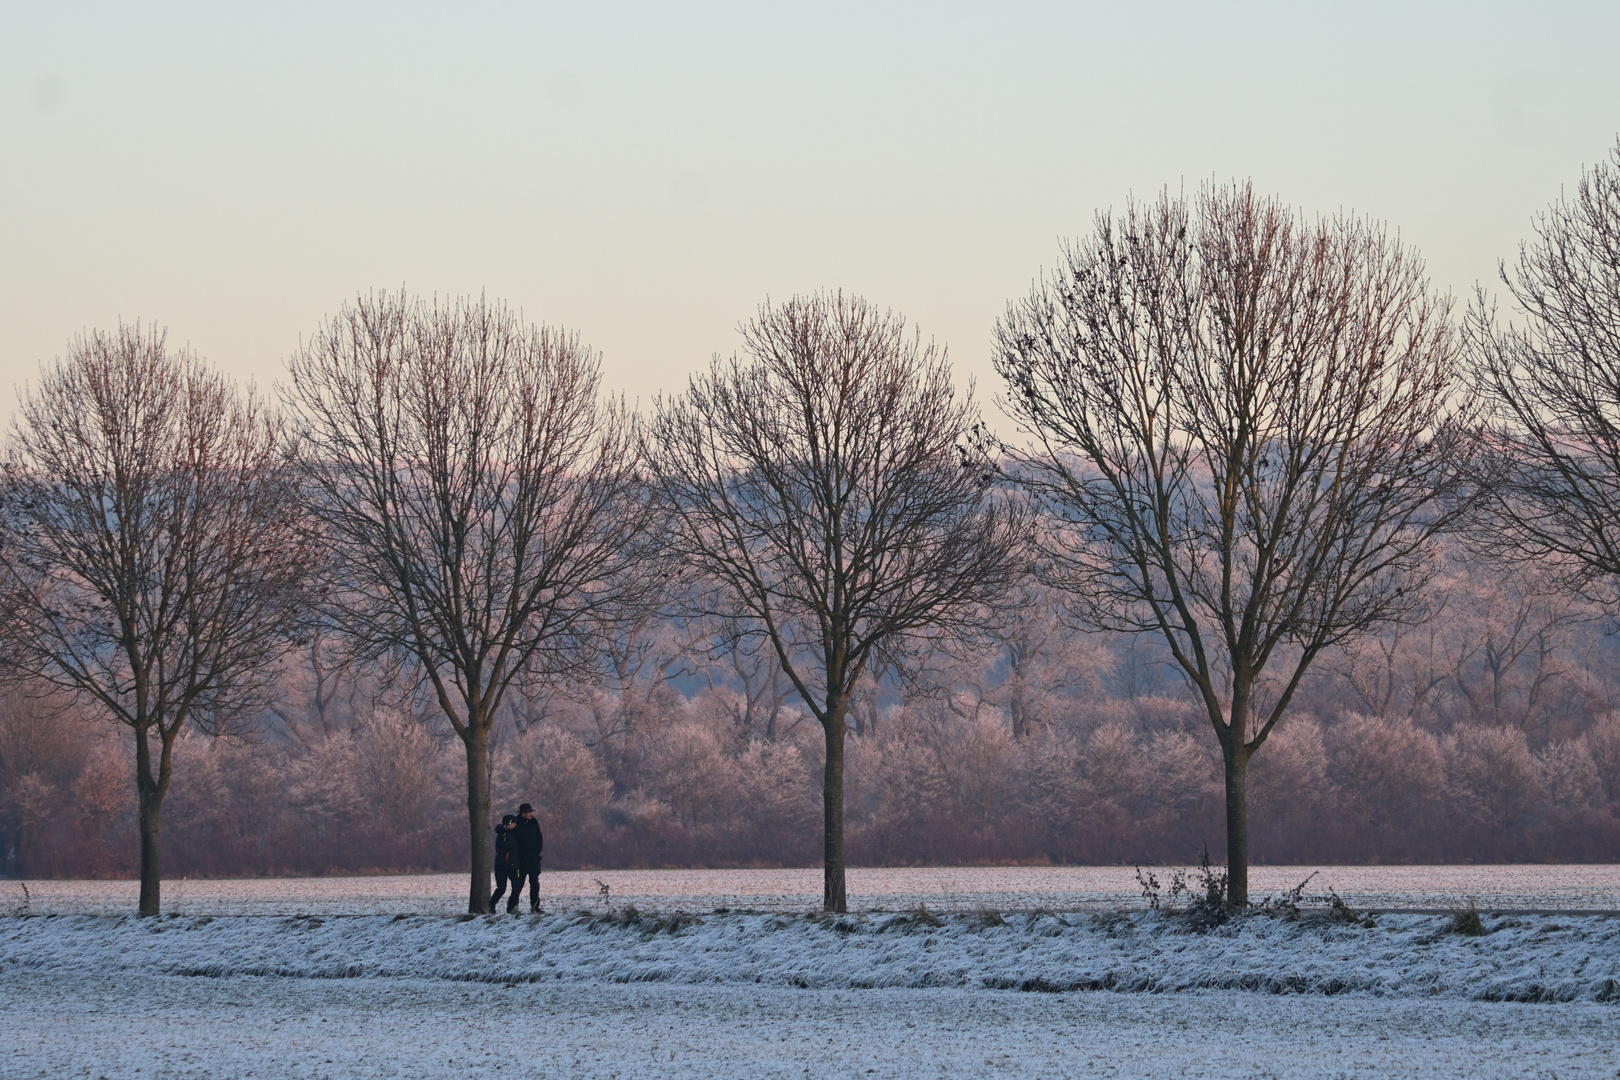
(518, 843)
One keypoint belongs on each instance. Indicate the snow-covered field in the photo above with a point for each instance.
(248, 1028)
(378, 976)
(904, 995)
(1012, 888)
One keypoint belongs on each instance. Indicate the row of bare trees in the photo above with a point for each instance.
(1250, 433)
(456, 504)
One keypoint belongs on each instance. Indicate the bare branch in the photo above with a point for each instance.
(1550, 471)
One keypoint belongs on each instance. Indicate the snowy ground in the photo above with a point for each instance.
(903, 995)
(146, 1026)
(591, 989)
(1013, 888)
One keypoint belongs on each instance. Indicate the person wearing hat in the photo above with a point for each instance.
(526, 846)
(504, 867)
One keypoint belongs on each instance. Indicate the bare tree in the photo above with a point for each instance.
(1498, 644)
(1507, 639)
(153, 547)
(641, 657)
(1038, 665)
(1242, 419)
(479, 500)
(827, 484)
(317, 693)
(1551, 474)
(762, 688)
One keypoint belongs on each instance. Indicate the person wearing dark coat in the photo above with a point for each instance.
(504, 868)
(526, 846)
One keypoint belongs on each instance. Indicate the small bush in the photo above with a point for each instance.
(1288, 903)
(1467, 922)
(1207, 905)
(1341, 912)
(1151, 889)
(1210, 883)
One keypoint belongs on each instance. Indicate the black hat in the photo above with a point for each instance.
(525, 808)
(507, 819)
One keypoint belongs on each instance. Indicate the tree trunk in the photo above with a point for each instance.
(832, 810)
(150, 801)
(483, 859)
(1236, 757)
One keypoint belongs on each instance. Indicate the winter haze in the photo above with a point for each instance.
(1032, 539)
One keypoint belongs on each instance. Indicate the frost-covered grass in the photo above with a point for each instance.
(908, 995)
(1018, 888)
(1533, 959)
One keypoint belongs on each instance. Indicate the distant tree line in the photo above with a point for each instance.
(1486, 734)
(1271, 488)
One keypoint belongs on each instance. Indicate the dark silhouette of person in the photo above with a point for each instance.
(505, 869)
(526, 846)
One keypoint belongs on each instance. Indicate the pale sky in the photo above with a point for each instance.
(647, 174)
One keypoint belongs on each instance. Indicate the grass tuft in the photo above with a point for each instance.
(1467, 922)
